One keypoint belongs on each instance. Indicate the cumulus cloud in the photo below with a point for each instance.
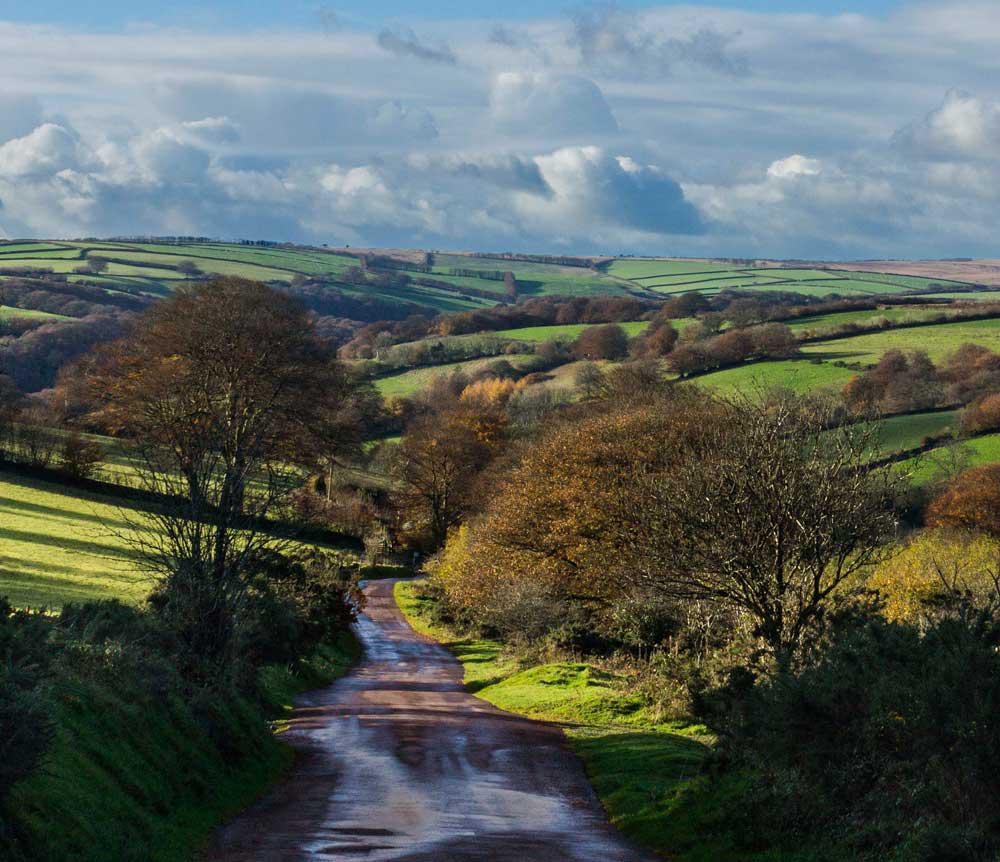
(593, 190)
(610, 38)
(794, 166)
(544, 104)
(963, 126)
(41, 153)
(403, 42)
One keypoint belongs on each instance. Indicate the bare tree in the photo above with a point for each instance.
(766, 510)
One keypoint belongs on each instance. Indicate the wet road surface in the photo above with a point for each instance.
(397, 762)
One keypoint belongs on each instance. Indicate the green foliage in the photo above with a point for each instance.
(887, 743)
(141, 766)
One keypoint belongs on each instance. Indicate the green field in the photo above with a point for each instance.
(797, 375)
(938, 341)
(59, 545)
(410, 382)
(638, 268)
(150, 267)
(563, 332)
(825, 322)
(900, 433)
(8, 312)
(669, 277)
(942, 462)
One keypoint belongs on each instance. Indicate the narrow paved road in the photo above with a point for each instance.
(397, 762)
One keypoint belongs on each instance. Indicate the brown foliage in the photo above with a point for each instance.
(607, 341)
(969, 502)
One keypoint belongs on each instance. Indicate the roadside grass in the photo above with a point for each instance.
(649, 775)
(635, 763)
(135, 777)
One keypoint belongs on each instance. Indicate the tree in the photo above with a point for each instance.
(969, 502)
(510, 286)
(607, 341)
(981, 415)
(216, 387)
(97, 264)
(767, 511)
(189, 268)
(657, 341)
(79, 457)
(438, 460)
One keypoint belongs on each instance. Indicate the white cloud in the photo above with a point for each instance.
(596, 193)
(541, 104)
(964, 126)
(794, 166)
(681, 128)
(41, 153)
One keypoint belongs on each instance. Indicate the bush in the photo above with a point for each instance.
(80, 458)
(888, 741)
(25, 723)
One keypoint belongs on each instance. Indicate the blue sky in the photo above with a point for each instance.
(725, 129)
(111, 14)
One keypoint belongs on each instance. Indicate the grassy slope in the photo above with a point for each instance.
(563, 332)
(134, 778)
(637, 767)
(938, 341)
(900, 433)
(58, 544)
(409, 382)
(938, 463)
(798, 375)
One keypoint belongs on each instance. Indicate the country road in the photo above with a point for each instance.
(397, 762)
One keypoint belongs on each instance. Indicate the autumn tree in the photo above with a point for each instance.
(969, 502)
(981, 415)
(657, 341)
(606, 341)
(754, 507)
(215, 387)
(438, 461)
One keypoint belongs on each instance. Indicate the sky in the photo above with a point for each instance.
(744, 128)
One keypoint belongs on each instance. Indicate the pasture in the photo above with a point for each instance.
(938, 341)
(670, 277)
(798, 375)
(61, 545)
(563, 332)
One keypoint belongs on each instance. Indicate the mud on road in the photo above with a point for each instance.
(397, 762)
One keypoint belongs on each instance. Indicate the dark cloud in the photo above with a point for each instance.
(403, 42)
(518, 40)
(619, 42)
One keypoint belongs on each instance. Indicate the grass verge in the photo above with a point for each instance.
(134, 776)
(648, 774)
(637, 766)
